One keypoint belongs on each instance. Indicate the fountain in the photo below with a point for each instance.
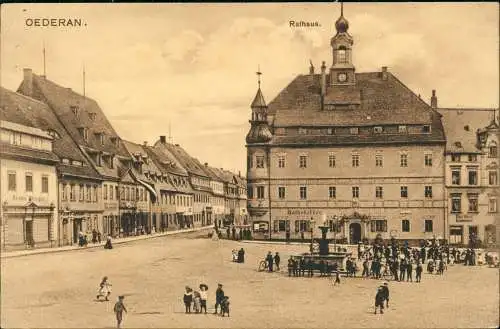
(324, 253)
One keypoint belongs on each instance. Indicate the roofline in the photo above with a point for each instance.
(24, 96)
(467, 109)
(294, 145)
(79, 176)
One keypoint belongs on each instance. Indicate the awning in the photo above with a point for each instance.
(149, 188)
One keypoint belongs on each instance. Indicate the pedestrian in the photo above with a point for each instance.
(365, 268)
(270, 261)
(203, 297)
(310, 268)
(409, 270)
(99, 237)
(287, 234)
(234, 233)
(94, 236)
(337, 277)
(228, 231)
(219, 297)
(118, 309)
(225, 306)
(277, 260)
(188, 299)
(359, 251)
(295, 266)
(418, 271)
(402, 270)
(302, 266)
(290, 266)
(379, 300)
(241, 256)
(385, 291)
(197, 302)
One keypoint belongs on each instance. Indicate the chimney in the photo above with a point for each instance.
(239, 173)
(434, 100)
(323, 79)
(206, 164)
(163, 139)
(384, 73)
(28, 82)
(145, 143)
(311, 68)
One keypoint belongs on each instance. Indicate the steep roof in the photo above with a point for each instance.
(375, 102)
(461, 126)
(62, 99)
(165, 161)
(188, 162)
(258, 101)
(20, 109)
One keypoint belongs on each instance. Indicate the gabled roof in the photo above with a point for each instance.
(187, 162)
(20, 109)
(461, 126)
(62, 99)
(165, 161)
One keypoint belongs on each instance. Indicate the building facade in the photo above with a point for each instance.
(472, 175)
(357, 152)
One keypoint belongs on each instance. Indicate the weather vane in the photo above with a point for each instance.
(259, 73)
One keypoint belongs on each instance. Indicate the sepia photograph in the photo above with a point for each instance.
(249, 165)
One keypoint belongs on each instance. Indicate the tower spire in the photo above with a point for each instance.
(341, 8)
(259, 73)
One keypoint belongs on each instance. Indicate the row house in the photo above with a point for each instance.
(471, 171)
(75, 201)
(231, 203)
(217, 199)
(358, 152)
(198, 180)
(182, 199)
(241, 211)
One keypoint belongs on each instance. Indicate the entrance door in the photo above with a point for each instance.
(77, 227)
(354, 233)
(29, 233)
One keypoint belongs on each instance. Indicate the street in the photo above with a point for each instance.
(58, 290)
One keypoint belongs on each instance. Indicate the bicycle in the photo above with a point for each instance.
(262, 266)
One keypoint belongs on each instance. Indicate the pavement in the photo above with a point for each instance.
(28, 252)
(57, 290)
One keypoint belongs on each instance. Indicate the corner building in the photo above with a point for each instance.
(358, 152)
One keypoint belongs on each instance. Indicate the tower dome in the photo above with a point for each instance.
(259, 134)
(342, 25)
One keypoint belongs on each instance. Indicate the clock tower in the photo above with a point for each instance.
(342, 70)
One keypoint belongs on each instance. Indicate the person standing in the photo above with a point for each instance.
(379, 300)
(365, 268)
(228, 231)
(188, 299)
(302, 266)
(277, 260)
(234, 233)
(290, 266)
(118, 309)
(409, 270)
(418, 271)
(385, 291)
(270, 261)
(203, 297)
(337, 277)
(219, 297)
(402, 270)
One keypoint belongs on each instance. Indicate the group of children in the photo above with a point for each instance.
(197, 298)
(104, 291)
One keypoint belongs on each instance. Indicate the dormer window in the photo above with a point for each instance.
(84, 132)
(377, 130)
(102, 138)
(354, 130)
(75, 109)
(302, 131)
(426, 129)
(92, 116)
(402, 129)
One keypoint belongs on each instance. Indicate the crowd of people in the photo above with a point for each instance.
(198, 299)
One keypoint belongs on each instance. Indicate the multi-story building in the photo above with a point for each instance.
(87, 125)
(198, 180)
(178, 176)
(241, 212)
(76, 176)
(358, 152)
(471, 174)
(217, 199)
(231, 194)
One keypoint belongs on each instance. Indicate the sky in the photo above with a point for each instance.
(193, 65)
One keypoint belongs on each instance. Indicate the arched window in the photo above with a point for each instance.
(341, 55)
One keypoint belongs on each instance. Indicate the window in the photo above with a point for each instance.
(303, 192)
(473, 204)
(472, 177)
(355, 160)
(455, 157)
(492, 153)
(334, 226)
(72, 192)
(302, 131)
(428, 160)
(260, 192)
(74, 109)
(29, 182)
(64, 196)
(378, 225)
(493, 178)
(105, 193)
(87, 194)
(81, 192)
(355, 192)
(426, 129)
(301, 225)
(492, 205)
(455, 176)
(456, 203)
(472, 157)
(377, 130)
(249, 161)
(353, 131)
(281, 225)
(403, 160)
(12, 181)
(259, 160)
(379, 160)
(303, 161)
(102, 139)
(95, 194)
(332, 192)
(405, 225)
(331, 161)
(402, 129)
(341, 55)
(379, 192)
(45, 184)
(281, 161)
(428, 225)
(15, 138)
(92, 116)
(404, 191)
(428, 191)
(281, 192)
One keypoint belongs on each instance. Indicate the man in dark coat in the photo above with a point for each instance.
(277, 260)
(241, 256)
(418, 271)
(379, 300)
(234, 233)
(385, 291)
(270, 261)
(409, 270)
(219, 297)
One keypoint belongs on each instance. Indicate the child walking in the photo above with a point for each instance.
(119, 308)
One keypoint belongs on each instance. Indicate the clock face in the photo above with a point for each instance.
(342, 77)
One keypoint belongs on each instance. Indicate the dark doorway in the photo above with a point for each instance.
(29, 233)
(354, 233)
(77, 227)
